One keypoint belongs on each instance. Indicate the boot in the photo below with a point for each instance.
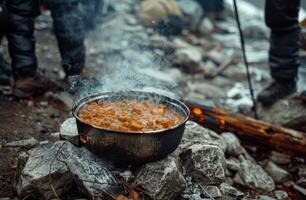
(24, 87)
(276, 91)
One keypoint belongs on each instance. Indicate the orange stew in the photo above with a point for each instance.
(129, 115)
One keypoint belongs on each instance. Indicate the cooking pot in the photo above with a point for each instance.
(131, 147)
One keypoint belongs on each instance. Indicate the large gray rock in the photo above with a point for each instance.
(34, 169)
(162, 179)
(205, 163)
(69, 131)
(253, 176)
(90, 173)
(278, 174)
(196, 134)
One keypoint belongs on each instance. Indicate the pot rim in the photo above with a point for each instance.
(79, 103)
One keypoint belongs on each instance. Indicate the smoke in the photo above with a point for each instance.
(127, 62)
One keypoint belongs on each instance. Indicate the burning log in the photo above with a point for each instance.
(249, 129)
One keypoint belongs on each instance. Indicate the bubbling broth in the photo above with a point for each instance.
(129, 115)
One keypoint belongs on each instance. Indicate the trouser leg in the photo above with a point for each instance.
(21, 36)
(282, 18)
(70, 33)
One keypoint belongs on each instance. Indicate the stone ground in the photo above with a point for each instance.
(120, 50)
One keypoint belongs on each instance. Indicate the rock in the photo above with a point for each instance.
(229, 191)
(196, 134)
(192, 11)
(55, 136)
(300, 189)
(34, 173)
(301, 182)
(293, 118)
(234, 147)
(206, 26)
(189, 58)
(280, 158)
(264, 197)
(127, 175)
(193, 191)
(302, 172)
(204, 163)
(69, 131)
(213, 191)
(252, 175)
(278, 174)
(27, 143)
(162, 179)
(64, 99)
(209, 90)
(255, 29)
(233, 164)
(281, 195)
(90, 173)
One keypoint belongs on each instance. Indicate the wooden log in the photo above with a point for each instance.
(250, 129)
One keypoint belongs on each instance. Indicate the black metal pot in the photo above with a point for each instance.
(127, 147)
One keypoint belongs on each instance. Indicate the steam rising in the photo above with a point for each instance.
(127, 61)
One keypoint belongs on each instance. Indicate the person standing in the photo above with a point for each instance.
(69, 29)
(282, 18)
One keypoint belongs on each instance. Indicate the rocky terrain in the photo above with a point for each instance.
(123, 54)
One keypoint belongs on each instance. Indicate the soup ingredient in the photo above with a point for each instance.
(129, 115)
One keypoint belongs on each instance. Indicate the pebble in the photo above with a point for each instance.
(300, 189)
(27, 143)
(281, 195)
(280, 158)
(278, 174)
(264, 197)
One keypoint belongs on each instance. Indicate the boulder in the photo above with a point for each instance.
(253, 176)
(278, 174)
(204, 163)
(196, 134)
(35, 168)
(90, 173)
(162, 179)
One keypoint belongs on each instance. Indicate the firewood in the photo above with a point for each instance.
(250, 129)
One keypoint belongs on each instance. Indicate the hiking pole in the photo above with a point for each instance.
(254, 108)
